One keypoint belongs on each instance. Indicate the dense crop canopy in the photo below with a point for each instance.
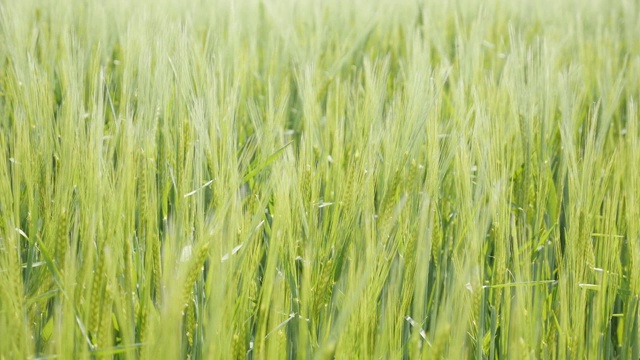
(315, 179)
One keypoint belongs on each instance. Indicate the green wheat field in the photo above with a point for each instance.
(334, 179)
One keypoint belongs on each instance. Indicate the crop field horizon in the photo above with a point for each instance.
(299, 179)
